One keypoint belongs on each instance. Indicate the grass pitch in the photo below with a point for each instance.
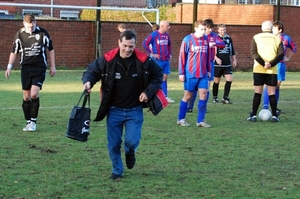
(233, 159)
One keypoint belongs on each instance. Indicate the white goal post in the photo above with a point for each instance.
(87, 7)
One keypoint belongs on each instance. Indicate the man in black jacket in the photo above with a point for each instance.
(128, 79)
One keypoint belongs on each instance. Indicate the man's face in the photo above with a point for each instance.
(275, 30)
(208, 30)
(165, 27)
(29, 27)
(126, 47)
(200, 30)
(222, 31)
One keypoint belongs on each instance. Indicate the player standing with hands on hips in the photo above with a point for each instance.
(32, 41)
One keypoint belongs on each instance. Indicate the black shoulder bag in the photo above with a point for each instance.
(79, 122)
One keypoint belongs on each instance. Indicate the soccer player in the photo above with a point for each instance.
(121, 27)
(288, 43)
(214, 41)
(158, 45)
(225, 59)
(267, 51)
(32, 42)
(194, 70)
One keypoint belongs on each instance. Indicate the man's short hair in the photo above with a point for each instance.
(221, 26)
(121, 25)
(278, 24)
(266, 25)
(199, 22)
(29, 18)
(128, 34)
(209, 23)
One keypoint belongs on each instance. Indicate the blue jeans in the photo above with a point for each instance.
(118, 118)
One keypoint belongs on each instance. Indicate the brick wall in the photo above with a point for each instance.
(74, 41)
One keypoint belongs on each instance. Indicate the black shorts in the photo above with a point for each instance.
(269, 79)
(32, 75)
(221, 71)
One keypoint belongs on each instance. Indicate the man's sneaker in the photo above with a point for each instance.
(115, 177)
(203, 124)
(182, 122)
(26, 128)
(215, 100)
(252, 118)
(189, 110)
(278, 111)
(170, 100)
(130, 160)
(30, 127)
(226, 101)
(274, 119)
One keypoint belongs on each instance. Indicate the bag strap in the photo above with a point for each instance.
(86, 98)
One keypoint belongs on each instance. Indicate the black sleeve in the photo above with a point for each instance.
(254, 53)
(93, 71)
(232, 48)
(279, 56)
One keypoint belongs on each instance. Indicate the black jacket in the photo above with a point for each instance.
(149, 77)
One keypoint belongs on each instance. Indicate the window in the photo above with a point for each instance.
(256, 1)
(274, 2)
(242, 2)
(295, 2)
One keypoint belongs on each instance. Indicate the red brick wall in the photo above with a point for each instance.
(233, 14)
(74, 41)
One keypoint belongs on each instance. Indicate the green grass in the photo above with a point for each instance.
(233, 159)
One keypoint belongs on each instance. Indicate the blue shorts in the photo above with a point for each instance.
(212, 72)
(281, 67)
(192, 84)
(164, 64)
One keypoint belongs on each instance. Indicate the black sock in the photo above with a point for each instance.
(26, 109)
(227, 89)
(215, 90)
(256, 103)
(35, 105)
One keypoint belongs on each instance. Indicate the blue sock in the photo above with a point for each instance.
(266, 98)
(201, 110)
(182, 110)
(164, 88)
(192, 100)
(207, 96)
(277, 95)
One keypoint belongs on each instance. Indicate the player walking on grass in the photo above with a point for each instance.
(267, 51)
(32, 41)
(194, 70)
(225, 59)
(214, 41)
(288, 43)
(158, 45)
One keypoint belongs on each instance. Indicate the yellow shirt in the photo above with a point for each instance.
(267, 48)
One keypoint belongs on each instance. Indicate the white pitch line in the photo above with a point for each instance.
(69, 107)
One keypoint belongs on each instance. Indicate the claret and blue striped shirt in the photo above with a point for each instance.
(194, 57)
(160, 44)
